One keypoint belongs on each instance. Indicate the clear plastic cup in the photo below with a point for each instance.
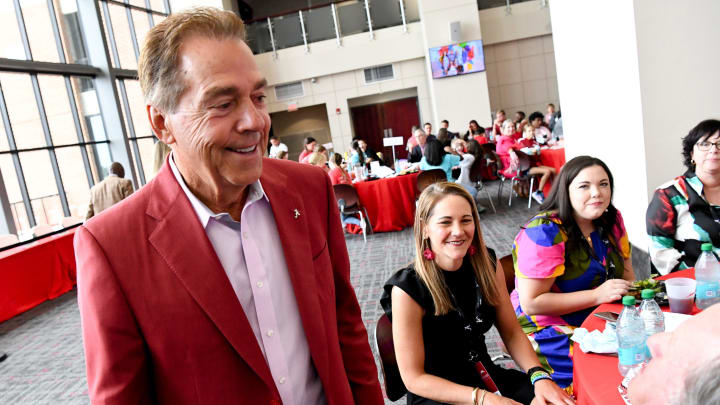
(681, 294)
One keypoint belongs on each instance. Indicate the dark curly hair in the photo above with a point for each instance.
(702, 130)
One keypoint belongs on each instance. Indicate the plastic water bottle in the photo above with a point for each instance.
(652, 316)
(707, 275)
(631, 337)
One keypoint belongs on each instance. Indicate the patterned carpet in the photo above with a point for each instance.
(46, 361)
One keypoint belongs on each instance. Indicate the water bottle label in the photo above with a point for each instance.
(630, 356)
(706, 290)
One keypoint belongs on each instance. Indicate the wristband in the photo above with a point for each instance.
(474, 396)
(538, 373)
(482, 398)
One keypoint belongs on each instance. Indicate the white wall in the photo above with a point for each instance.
(633, 88)
(521, 75)
(526, 20)
(459, 98)
(345, 89)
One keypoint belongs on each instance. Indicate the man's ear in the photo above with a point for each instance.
(159, 125)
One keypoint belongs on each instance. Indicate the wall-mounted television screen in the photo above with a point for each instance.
(457, 59)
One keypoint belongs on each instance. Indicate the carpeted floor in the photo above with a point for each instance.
(46, 360)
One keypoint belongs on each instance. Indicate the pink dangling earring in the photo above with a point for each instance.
(471, 250)
(428, 254)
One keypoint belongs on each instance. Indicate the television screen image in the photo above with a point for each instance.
(457, 59)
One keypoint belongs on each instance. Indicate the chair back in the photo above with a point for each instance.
(428, 177)
(394, 387)
(477, 168)
(509, 269)
(523, 161)
(8, 239)
(347, 193)
(488, 148)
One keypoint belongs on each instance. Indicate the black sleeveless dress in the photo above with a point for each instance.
(448, 345)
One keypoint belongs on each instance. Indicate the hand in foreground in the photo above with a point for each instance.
(547, 392)
(611, 290)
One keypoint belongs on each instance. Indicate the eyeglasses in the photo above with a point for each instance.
(705, 146)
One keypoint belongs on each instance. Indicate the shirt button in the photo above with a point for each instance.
(244, 235)
(260, 284)
(282, 380)
(270, 332)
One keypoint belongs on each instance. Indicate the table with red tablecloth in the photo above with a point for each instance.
(390, 203)
(36, 272)
(595, 376)
(551, 157)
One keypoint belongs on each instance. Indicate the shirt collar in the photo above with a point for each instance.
(255, 193)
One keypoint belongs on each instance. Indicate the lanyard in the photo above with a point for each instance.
(607, 262)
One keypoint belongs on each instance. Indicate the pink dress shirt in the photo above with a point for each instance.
(251, 255)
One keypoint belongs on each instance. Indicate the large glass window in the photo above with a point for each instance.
(54, 144)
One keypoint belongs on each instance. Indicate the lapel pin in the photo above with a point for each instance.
(297, 213)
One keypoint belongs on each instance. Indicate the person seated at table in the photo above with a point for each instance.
(685, 365)
(370, 155)
(572, 256)
(282, 155)
(337, 173)
(684, 212)
(318, 159)
(308, 148)
(357, 156)
(520, 121)
(476, 132)
(411, 142)
(527, 143)
(497, 124)
(542, 134)
(435, 157)
(418, 150)
(444, 137)
(442, 305)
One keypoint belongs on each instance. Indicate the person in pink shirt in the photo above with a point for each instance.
(412, 141)
(308, 148)
(337, 174)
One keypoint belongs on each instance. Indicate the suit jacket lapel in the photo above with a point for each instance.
(182, 243)
(294, 233)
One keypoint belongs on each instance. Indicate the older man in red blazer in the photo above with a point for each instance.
(225, 280)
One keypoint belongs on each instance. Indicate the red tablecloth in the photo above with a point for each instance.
(595, 376)
(36, 272)
(390, 203)
(552, 158)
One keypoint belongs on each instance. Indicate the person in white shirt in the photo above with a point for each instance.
(276, 146)
(542, 134)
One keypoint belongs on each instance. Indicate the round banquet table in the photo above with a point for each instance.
(390, 203)
(595, 376)
(552, 157)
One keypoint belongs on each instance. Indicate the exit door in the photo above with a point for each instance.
(374, 122)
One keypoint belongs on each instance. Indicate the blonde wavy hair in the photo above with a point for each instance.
(429, 273)
(158, 65)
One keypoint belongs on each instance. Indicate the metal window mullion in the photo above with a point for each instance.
(304, 34)
(168, 10)
(111, 33)
(272, 38)
(369, 19)
(130, 6)
(402, 15)
(16, 160)
(23, 30)
(29, 66)
(131, 130)
(149, 15)
(335, 23)
(78, 130)
(56, 31)
(508, 10)
(49, 143)
(56, 147)
(133, 37)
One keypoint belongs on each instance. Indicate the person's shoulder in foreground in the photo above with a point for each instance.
(171, 313)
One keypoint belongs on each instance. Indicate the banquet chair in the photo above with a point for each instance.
(8, 239)
(523, 165)
(506, 262)
(352, 206)
(428, 177)
(394, 386)
(476, 177)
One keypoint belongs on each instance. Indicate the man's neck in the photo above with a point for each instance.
(218, 198)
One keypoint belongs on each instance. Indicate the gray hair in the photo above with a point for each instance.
(702, 386)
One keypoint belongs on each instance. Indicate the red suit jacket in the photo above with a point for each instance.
(162, 324)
